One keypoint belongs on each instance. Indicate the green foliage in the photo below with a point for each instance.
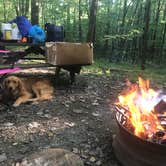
(129, 36)
(119, 28)
(155, 73)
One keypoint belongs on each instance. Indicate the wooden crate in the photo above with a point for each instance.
(66, 53)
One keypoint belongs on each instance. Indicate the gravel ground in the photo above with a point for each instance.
(79, 118)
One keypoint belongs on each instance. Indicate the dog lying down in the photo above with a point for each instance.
(22, 90)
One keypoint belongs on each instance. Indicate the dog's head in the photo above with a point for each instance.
(13, 85)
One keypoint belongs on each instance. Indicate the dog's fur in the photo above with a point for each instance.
(22, 90)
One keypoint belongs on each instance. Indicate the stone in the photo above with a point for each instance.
(78, 111)
(95, 114)
(39, 113)
(98, 163)
(70, 124)
(75, 150)
(92, 159)
(52, 157)
(47, 116)
(84, 156)
(15, 143)
(3, 157)
(8, 124)
(34, 125)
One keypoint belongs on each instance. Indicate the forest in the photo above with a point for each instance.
(95, 114)
(132, 31)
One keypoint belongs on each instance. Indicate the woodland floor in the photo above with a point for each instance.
(80, 118)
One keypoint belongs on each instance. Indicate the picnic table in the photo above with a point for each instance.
(14, 56)
(11, 58)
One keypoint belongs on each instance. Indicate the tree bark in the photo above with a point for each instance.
(145, 34)
(163, 35)
(34, 12)
(153, 47)
(4, 11)
(68, 23)
(79, 23)
(108, 25)
(124, 15)
(74, 23)
(26, 7)
(92, 21)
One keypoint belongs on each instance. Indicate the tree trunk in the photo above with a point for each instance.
(74, 24)
(79, 23)
(145, 34)
(4, 11)
(92, 21)
(26, 7)
(23, 8)
(124, 15)
(153, 47)
(68, 26)
(163, 36)
(122, 42)
(108, 26)
(34, 12)
(133, 52)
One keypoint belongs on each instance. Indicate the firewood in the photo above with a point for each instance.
(160, 107)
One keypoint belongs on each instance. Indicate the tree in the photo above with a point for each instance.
(92, 21)
(108, 23)
(163, 34)
(145, 34)
(154, 41)
(4, 11)
(79, 23)
(21, 7)
(34, 12)
(122, 30)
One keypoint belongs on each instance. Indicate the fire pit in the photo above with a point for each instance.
(141, 140)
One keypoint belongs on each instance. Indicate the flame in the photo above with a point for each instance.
(140, 100)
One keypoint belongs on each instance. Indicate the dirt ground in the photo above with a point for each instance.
(80, 118)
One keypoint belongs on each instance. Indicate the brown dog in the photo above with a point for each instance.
(27, 89)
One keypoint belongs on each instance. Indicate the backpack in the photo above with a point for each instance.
(37, 34)
(54, 32)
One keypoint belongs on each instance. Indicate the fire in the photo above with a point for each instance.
(140, 100)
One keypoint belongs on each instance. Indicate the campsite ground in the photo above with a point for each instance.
(80, 118)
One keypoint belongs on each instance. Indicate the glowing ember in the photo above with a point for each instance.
(140, 102)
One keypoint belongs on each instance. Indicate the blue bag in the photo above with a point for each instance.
(37, 34)
(54, 32)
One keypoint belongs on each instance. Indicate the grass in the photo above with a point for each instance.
(155, 74)
(102, 66)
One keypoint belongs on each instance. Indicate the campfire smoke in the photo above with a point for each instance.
(144, 110)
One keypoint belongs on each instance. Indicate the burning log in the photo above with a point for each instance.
(122, 110)
(163, 142)
(160, 134)
(160, 107)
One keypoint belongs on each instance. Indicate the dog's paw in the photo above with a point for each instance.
(35, 103)
(16, 105)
